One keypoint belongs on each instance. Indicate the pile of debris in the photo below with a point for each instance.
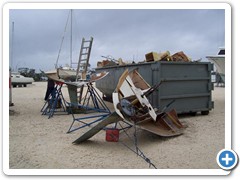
(110, 62)
(152, 56)
(166, 56)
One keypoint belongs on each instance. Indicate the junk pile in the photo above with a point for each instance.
(131, 105)
(110, 62)
(166, 56)
(149, 57)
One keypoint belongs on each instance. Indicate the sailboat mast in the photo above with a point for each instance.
(71, 42)
(65, 29)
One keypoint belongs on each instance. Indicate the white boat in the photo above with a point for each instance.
(219, 62)
(61, 74)
(68, 73)
(19, 80)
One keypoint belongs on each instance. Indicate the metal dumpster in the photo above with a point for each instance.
(188, 83)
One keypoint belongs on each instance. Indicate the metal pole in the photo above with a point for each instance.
(71, 43)
(11, 64)
(65, 29)
(10, 88)
(10, 69)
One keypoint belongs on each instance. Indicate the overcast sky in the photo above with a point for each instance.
(126, 34)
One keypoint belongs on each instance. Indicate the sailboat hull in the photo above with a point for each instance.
(67, 74)
(219, 62)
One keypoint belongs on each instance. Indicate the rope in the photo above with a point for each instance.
(65, 29)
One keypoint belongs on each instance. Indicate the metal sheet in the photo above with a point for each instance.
(113, 118)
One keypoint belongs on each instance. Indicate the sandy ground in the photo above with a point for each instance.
(39, 142)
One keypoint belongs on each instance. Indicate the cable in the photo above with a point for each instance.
(65, 29)
(137, 151)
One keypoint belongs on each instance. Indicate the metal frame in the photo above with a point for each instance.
(128, 126)
(50, 106)
(99, 107)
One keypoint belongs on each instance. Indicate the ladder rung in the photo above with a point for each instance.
(84, 54)
(87, 41)
(83, 60)
(85, 47)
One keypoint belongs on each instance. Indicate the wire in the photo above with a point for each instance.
(65, 29)
(137, 150)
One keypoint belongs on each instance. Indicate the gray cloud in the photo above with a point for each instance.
(128, 34)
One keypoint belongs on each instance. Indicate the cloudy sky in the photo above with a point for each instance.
(126, 34)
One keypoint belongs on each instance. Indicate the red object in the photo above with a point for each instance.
(112, 135)
(59, 83)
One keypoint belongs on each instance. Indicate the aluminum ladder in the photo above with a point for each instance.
(84, 56)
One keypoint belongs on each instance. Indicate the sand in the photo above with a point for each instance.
(36, 142)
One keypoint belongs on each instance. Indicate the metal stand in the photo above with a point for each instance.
(120, 127)
(97, 105)
(55, 102)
